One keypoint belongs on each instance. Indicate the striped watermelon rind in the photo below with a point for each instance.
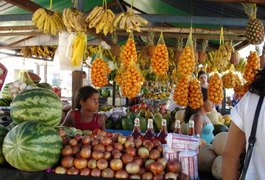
(3, 132)
(37, 105)
(6, 93)
(32, 146)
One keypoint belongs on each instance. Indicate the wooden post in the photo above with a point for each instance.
(76, 84)
(113, 93)
(223, 111)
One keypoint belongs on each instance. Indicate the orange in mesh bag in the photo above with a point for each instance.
(119, 75)
(181, 91)
(128, 51)
(159, 61)
(215, 89)
(132, 81)
(99, 72)
(195, 94)
(253, 64)
(186, 63)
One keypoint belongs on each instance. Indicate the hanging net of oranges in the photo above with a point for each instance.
(132, 81)
(99, 72)
(230, 79)
(195, 99)
(186, 63)
(215, 89)
(253, 64)
(128, 51)
(159, 60)
(181, 91)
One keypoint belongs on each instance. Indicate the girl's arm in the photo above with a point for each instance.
(198, 124)
(102, 120)
(68, 121)
(235, 144)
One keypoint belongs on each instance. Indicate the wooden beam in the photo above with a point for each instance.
(241, 45)
(194, 30)
(239, 1)
(174, 35)
(25, 4)
(16, 28)
(21, 40)
(32, 33)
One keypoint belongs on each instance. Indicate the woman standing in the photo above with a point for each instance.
(203, 125)
(242, 115)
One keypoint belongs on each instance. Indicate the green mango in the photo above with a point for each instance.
(141, 113)
(143, 124)
(148, 114)
(127, 124)
(132, 116)
(158, 120)
(167, 116)
(108, 124)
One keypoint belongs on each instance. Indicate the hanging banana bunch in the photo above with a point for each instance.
(74, 20)
(129, 21)
(48, 21)
(101, 19)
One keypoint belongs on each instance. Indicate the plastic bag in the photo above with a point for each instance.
(63, 53)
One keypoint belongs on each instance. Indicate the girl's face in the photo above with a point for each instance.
(203, 79)
(208, 105)
(91, 103)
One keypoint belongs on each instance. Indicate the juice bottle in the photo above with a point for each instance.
(177, 129)
(163, 132)
(191, 130)
(149, 133)
(136, 132)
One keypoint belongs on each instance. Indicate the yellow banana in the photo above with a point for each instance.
(102, 23)
(122, 23)
(37, 14)
(129, 25)
(142, 20)
(93, 13)
(97, 19)
(118, 19)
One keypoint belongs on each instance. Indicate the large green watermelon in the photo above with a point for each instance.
(32, 146)
(37, 105)
(3, 132)
(5, 92)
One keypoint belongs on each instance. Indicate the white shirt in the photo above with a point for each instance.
(242, 115)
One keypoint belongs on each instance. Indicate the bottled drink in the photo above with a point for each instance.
(191, 130)
(163, 132)
(177, 129)
(149, 133)
(136, 133)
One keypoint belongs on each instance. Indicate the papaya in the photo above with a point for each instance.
(118, 123)
(143, 124)
(132, 115)
(127, 124)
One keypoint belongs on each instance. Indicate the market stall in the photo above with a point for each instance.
(138, 60)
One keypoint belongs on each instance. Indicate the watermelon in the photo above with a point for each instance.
(5, 92)
(37, 105)
(45, 86)
(32, 146)
(5, 102)
(3, 132)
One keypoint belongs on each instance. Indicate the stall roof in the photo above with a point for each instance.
(174, 17)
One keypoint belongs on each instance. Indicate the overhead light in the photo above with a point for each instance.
(7, 51)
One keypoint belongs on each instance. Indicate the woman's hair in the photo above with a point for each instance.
(200, 73)
(82, 94)
(189, 111)
(258, 85)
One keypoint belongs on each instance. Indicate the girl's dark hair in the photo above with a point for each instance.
(82, 94)
(258, 85)
(200, 73)
(189, 111)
